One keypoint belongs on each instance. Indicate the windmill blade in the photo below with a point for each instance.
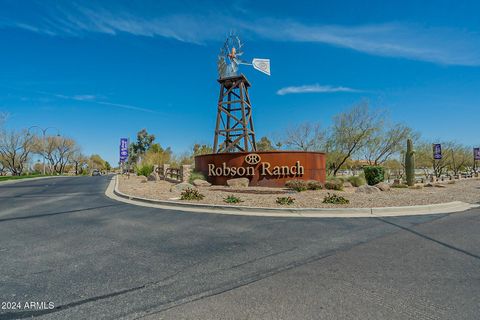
(262, 65)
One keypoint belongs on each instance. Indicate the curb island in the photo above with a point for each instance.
(449, 207)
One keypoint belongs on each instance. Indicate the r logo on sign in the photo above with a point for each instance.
(252, 158)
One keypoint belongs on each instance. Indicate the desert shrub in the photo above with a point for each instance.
(374, 174)
(399, 186)
(297, 185)
(334, 199)
(314, 185)
(335, 184)
(356, 181)
(339, 178)
(191, 194)
(144, 170)
(196, 175)
(285, 200)
(232, 199)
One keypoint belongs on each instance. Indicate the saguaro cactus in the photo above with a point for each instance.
(410, 163)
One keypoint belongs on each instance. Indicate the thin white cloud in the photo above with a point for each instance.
(315, 88)
(125, 106)
(93, 99)
(84, 97)
(447, 46)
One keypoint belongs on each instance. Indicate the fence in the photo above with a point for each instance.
(167, 173)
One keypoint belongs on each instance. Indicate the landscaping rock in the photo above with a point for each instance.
(416, 186)
(438, 185)
(428, 185)
(347, 184)
(238, 182)
(367, 189)
(397, 182)
(153, 177)
(383, 186)
(201, 183)
(142, 179)
(182, 186)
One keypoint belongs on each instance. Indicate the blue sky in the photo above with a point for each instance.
(101, 70)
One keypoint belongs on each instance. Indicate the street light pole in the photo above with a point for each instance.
(44, 132)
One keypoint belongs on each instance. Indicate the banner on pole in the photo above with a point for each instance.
(476, 153)
(123, 149)
(437, 151)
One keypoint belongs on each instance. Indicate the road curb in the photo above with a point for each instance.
(449, 207)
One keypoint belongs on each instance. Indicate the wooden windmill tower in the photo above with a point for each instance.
(234, 131)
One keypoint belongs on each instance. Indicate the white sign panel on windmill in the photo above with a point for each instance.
(262, 65)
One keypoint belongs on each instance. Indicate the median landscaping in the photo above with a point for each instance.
(335, 193)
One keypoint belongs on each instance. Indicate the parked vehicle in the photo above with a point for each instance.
(96, 172)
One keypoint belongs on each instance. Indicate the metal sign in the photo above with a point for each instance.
(437, 151)
(476, 153)
(123, 149)
(262, 65)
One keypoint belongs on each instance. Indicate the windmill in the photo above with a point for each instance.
(230, 58)
(234, 131)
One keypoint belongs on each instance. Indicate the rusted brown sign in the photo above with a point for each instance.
(271, 168)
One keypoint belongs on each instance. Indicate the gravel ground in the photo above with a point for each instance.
(463, 190)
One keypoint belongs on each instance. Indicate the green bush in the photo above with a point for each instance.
(285, 200)
(232, 199)
(335, 184)
(356, 181)
(196, 175)
(297, 185)
(191, 194)
(337, 178)
(374, 174)
(314, 185)
(334, 199)
(144, 170)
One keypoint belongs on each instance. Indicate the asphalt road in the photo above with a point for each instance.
(62, 241)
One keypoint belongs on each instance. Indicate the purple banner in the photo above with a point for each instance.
(437, 151)
(123, 149)
(476, 153)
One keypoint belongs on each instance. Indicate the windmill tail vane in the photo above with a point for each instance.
(262, 65)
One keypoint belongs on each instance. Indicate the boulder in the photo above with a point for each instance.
(367, 189)
(438, 185)
(238, 182)
(201, 183)
(153, 177)
(347, 184)
(142, 179)
(383, 186)
(179, 187)
(428, 185)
